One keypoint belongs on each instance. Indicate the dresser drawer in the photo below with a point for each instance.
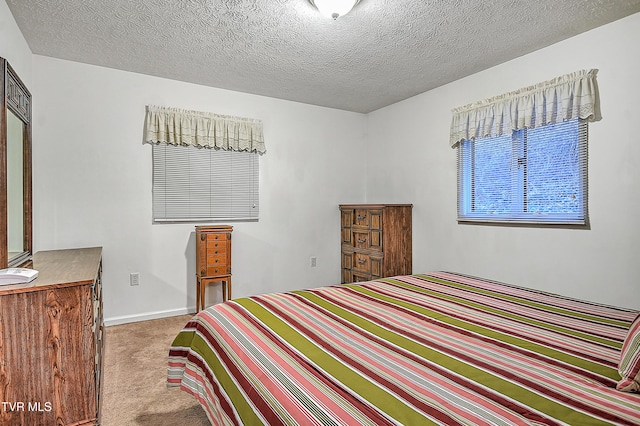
(367, 218)
(361, 218)
(347, 260)
(216, 242)
(347, 236)
(349, 276)
(216, 258)
(216, 265)
(346, 218)
(358, 277)
(362, 263)
(367, 239)
(213, 271)
(362, 239)
(212, 259)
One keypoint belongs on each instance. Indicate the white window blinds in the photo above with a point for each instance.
(198, 184)
(205, 166)
(536, 175)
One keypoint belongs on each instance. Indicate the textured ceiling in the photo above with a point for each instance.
(382, 52)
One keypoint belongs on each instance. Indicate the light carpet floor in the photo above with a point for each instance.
(135, 376)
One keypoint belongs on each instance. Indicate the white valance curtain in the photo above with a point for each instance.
(203, 129)
(569, 96)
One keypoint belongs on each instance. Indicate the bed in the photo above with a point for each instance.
(438, 348)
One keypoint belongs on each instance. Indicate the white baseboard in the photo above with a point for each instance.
(125, 319)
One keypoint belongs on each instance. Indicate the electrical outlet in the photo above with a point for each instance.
(312, 261)
(134, 278)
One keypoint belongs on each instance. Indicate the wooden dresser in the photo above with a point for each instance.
(213, 260)
(376, 241)
(51, 342)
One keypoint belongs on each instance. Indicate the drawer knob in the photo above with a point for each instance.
(362, 261)
(362, 216)
(362, 240)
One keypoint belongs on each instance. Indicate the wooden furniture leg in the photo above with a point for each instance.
(198, 293)
(201, 290)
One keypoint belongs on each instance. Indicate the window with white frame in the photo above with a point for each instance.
(205, 166)
(516, 168)
(532, 175)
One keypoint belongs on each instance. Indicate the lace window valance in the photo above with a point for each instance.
(203, 129)
(569, 96)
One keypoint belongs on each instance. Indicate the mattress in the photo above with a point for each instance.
(437, 348)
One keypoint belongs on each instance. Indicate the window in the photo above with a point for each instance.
(522, 155)
(205, 165)
(533, 175)
(204, 184)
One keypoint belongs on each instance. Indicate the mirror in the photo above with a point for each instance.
(15, 170)
(15, 187)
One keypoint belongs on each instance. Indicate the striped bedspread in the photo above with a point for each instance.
(441, 348)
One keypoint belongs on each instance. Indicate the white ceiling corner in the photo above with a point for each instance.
(382, 52)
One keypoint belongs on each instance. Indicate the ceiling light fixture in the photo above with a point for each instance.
(334, 8)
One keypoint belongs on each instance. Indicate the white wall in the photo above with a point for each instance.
(13, 46)
(92, 186)
(410, 161)
(92, 180)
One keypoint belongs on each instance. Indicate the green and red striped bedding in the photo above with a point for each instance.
(441, 348)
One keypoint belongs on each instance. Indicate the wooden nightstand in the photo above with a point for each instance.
(213, 261)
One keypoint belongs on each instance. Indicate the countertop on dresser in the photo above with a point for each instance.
(60, 268)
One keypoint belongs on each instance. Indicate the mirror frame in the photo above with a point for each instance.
(15, 97)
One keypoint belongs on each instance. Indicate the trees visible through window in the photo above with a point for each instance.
(533, 175)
